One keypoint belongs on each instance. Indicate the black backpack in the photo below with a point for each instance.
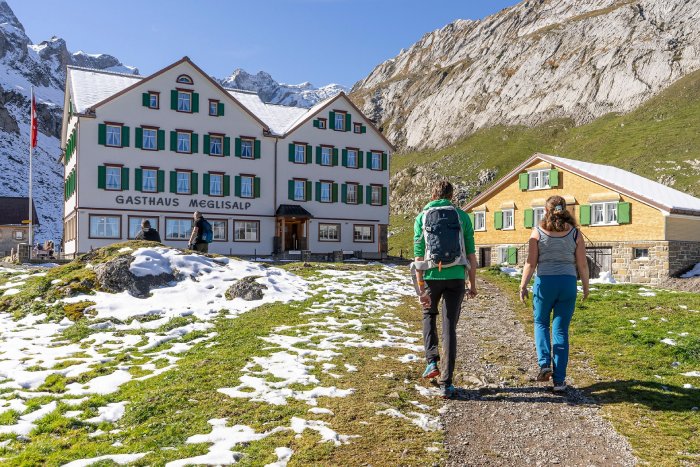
(444, 244)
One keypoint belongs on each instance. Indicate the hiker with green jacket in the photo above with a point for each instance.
(444, 250)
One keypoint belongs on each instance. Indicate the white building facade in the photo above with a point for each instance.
(270, 179)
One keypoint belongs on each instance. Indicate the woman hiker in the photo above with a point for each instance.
(557, 251)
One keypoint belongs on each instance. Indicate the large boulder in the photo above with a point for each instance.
(115, 276)
(247, 289)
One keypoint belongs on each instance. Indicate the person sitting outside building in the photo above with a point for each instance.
(147, 232)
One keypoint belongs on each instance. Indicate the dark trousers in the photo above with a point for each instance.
(452, 293)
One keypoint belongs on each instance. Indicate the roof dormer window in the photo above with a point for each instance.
(184, 79)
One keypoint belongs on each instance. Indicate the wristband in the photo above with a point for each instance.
(421, 283)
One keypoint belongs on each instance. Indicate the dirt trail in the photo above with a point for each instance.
(502, 416)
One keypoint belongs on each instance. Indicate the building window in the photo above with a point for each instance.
(246, 231)
(326, 192)
(216, 183)
(328, 232)
(326, 155)
(357, 127)
(340, 121)
(247, 148)
(19, 235)
(247, 186)
(135, 224)
(604, 213)
(376, 161)
(184, 79)
(184, 142)
(351, 193)
(153, 100)
(105, 226)
(299, 190)
(300, 153)
(352, 158)
(508, 219)
(537, 216)
(113, 179)
(480, 221)
(640, 253)
(213, 108)
(178, 229)
(149, 180)
(322, 123)
(149, 139)
(184, 101)
(114, 136)
(363, 233)
(216, 145)
(503, 255)
(376, 195)
(219, 230)
(538, 179)
(183, 183)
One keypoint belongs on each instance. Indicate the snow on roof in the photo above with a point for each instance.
(90, 86)
(634, 185)
(278, 117)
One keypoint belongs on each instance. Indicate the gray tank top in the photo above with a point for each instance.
(557, 255)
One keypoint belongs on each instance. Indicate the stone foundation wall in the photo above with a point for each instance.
(682, 256)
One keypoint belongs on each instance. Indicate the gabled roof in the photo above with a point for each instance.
(277, 117)
(14, 209)
(89, 86)
(635, 186)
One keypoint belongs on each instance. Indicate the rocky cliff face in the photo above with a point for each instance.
(536, 61)
(24, 64)
(269, 90)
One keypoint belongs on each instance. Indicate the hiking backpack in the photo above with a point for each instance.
(207, 232)
(444, 241)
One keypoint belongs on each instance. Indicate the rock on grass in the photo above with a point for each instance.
(247, 289)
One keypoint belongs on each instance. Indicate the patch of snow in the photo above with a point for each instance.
(695, 272)
(408, 358)
(121, 459)
(10, 292)
(605, 277)
(692, 374)
(110, 413)
(511, 271)
(283, 457)
(668, 341)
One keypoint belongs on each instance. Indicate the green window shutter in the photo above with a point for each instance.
(529, 218)
(239, 150)
(308, 154)
(146, 99)
(315, 123)
(227, 146)
(331, 120)
(173, 99)
(173, 181)
(194, 183)
(291, 151)
(207, 142)
(335, 157)
(173, 140)
(512, 255)
(523, 181)
(319, 152)
(290, 189)
(360, 193)
(385, 161)
(138, 179)
(256, 149)
(498, 220)
(227, 185)
(256, 187)
(584, 214)
(368, 194)
(194, 143)
(102, 177)
(125, 178)
(161, 140)
(345, 158)
(623, 213)
(553, 178)
(205, 183)
(138, 137)
(220, 109)
(385, 196)
(360, 159)
(348, 122)
(318, 191)
(237, 186)
(364, 129)
(343, 193)
(308, 191)
(369, 160)
(334, 192)
(125, 136)
(195, 102)
(161, 181)
(102, 134)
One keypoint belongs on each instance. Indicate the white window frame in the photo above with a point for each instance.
(326, 155)
(479, 221)
(376, 157)
(326, 192)
(145, 187)
(300, 153)
(248, 186)
(113, 137)
(297, 185)
(355, 189)
(152, 137)
(247, 149)
(215, 108)
(325, 230)
(151, 103)
(216, 145)
(537, 216)
(362, 238)
(134, 225)
(109, 176)
(184, 228)
(357, 127)
(342, 116)
(376, 195)
(608, 208)
(216, 184)
(184, 178)
(181, 107)
(638, 257)
(503, 254)
(321, 124)
(512, 219)
(539, 176)
(181, 142)
(219, 228)
(249, 234)
(355, 159)
(19, 235)
(105, 229)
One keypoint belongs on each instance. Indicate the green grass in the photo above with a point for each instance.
(654, 140)
(640, 389)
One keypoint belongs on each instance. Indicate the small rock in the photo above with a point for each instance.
(394, 395)
(247, 289)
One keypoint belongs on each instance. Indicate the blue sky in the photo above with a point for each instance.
(321, 41)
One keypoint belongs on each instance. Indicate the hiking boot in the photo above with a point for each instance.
(447, 392)
(545, 374)
(559, 388)
(431, 371)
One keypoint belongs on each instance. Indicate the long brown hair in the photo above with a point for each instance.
(556, 216)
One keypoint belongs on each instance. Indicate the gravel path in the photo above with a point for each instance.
(502, 416)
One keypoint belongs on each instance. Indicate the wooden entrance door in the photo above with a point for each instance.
(484, 257)
(599, 260)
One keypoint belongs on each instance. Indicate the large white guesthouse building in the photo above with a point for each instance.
(269, 178)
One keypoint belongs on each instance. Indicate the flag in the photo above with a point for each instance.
(35, 130)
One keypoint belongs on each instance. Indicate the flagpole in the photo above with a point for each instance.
(31, 150)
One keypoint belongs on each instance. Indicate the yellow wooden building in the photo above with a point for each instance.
(637, 229)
